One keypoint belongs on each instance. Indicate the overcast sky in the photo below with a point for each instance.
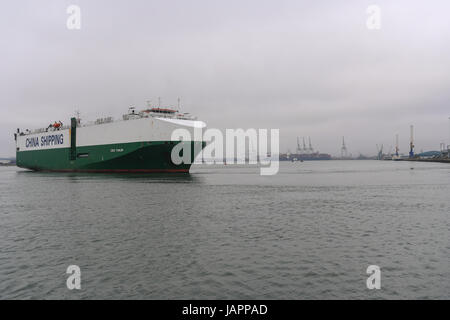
(309, 68)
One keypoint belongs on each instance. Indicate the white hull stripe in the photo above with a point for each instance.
(139, 130)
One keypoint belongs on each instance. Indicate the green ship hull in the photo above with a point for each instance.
(139, 157)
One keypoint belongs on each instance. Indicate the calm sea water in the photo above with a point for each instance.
(228, 233)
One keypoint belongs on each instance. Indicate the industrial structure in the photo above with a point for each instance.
(411, 143)
(304, 153)
(443, 155)
(343, 149)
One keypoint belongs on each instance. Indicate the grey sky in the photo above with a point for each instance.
(309, 68)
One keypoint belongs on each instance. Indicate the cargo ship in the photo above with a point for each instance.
(139, 142)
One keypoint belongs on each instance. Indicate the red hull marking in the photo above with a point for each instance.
(121, 170)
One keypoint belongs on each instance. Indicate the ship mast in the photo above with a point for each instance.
(77, 114)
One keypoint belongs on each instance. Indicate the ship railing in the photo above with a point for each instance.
(43, 130)
(170, 116)
(126, 118)
(109, 120)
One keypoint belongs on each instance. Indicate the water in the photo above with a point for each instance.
(226, 232)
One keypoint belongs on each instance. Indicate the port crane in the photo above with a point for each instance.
(344, 152)
(411, 143)
(396, 145)
(310, 145)
(304, 146)
(298, 145)
(380, 152)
